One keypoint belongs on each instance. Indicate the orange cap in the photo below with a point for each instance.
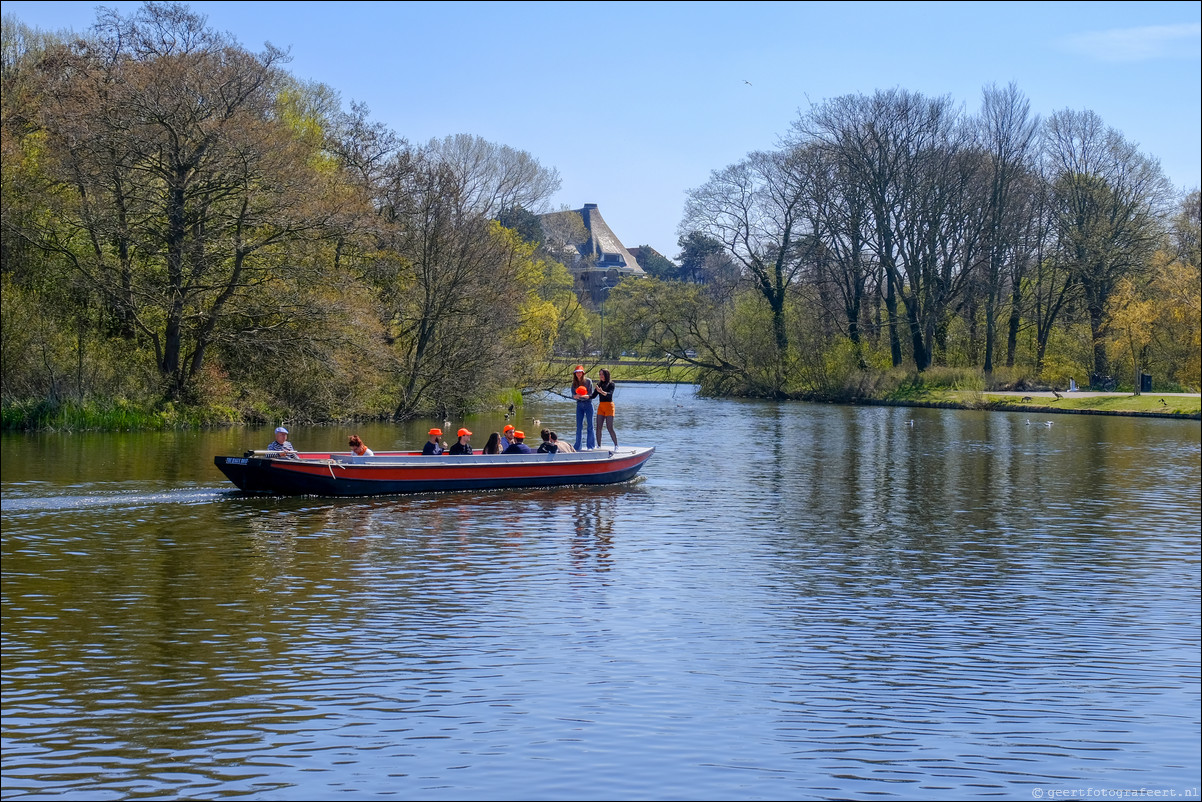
(507, 428)
(520, 435)
(579, 369)
(436, 431)
(463, 432)
(581, 391)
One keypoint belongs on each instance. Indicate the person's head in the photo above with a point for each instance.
(281, 434)
(553, 437)
(546, 435)
(578, 374)
(507, 432)
(604, 374)
(435, 434)
(494, 440)
(354, 442)
(463, 435)
(519, 436)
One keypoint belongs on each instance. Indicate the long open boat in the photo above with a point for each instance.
(335, 474)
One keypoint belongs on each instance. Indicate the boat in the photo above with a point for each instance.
(389, 473)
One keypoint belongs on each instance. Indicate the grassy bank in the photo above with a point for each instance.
(1147, 404)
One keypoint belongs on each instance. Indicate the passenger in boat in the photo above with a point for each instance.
(605, 405)
(463, 444)
(564, 447)
(358, 449)
(434, 445)
(582, 391)
(281, 445)
(519, 446)
(547, 447)
(493, 445)
(506, 437)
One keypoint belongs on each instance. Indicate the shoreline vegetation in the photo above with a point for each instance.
(965, 390)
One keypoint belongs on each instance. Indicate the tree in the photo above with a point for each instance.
(656, 264)
(756, 210)
(185, 186)
(1008, 134)
(1108, 200)
(492, 178)
(907, 155)
(695, 250)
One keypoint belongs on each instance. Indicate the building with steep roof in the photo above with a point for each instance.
(592, 252)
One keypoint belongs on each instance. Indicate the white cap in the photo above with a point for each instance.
(281, 430)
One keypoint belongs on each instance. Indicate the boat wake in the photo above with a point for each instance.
(38, 497)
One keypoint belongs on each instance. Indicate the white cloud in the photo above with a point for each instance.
(1139, 44)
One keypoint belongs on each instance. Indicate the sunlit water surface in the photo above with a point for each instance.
(791, 602)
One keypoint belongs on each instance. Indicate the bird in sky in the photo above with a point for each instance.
(747, 82)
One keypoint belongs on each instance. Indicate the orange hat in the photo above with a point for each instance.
(520, 435)
(463, 432)
(507, 428)
(581, 391)
(436, 431)
(579, 369)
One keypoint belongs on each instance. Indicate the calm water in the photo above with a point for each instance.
(792, 602)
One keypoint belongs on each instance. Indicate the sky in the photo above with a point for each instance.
(636, 103)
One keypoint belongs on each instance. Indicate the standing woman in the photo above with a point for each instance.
(605, 406)
(582, 391)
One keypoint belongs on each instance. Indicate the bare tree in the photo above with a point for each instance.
(1109, 202)
(491, 178)
(756, 209)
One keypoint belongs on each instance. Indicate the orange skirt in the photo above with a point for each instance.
(605, 409)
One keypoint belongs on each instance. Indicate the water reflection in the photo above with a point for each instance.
(853, 605)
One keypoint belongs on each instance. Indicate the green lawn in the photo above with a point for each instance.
(1115, 402)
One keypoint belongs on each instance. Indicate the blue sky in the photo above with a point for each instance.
(636, 103)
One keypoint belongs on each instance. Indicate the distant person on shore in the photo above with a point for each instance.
(605, 406)
(582, 391)
(463, 444)
(281, 447)
(434, 445)
(519, 446)
(492, 445)
(547, 447)
(358, 449)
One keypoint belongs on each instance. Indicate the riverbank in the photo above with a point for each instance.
(1147, 405)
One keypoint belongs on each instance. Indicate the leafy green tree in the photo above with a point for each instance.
(656, 264)
(185, 188)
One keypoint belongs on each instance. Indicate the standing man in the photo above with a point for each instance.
(582, 391)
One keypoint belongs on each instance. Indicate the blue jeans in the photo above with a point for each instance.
(584, 412)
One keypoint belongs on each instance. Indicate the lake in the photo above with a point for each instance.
(792, 601)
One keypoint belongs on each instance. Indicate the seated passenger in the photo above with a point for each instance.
(493, 446)
(519, 447)
(463, 444)
(563, 446)
(506, 437)
(547, 447)
(434, 445)
(358, 449)
(280, 446)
